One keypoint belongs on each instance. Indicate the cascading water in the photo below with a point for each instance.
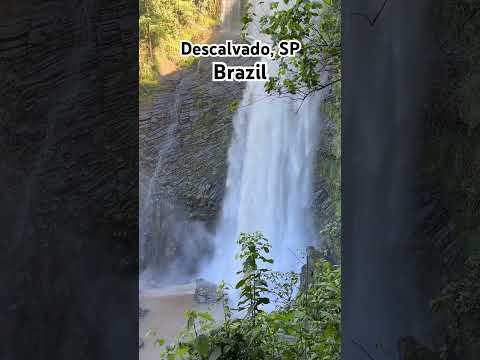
(268, 186)
(230, 13)
(269, 181)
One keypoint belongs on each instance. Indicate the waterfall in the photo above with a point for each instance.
(269, 181)
(268, 186)
(230, 14)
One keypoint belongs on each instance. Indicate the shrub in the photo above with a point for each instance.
(305, 326)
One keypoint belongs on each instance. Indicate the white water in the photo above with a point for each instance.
(230, 14)
(268, 187)
(269, 181)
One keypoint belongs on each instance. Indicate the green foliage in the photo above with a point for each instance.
(316, 24)
(331, 233)
(283, 286)
(161, 19)
(162, 24)
(452, 163)
(253, 283)
(460, 299)
(452, 152)
(233, 106)
(305, 325)
(330, 166)
(322, 305)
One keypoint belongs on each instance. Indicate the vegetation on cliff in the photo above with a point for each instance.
(162, 24)
(452, 167)
(316, 25)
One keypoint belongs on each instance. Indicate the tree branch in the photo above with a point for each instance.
(363, 349)
(318, 88)
(366, 17)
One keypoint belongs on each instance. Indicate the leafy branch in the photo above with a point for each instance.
(316, 25)
(374, 20)
(306, 327)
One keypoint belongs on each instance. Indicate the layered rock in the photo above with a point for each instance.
(188, 130)
(184, 140)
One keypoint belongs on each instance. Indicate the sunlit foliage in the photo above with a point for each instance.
(305, 326)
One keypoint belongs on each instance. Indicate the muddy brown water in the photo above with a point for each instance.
(165, 316)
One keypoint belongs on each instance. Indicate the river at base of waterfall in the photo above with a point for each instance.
(162, 313)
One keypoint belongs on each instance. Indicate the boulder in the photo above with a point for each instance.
(205, 292)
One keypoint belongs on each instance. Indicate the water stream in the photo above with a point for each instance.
(231, 15)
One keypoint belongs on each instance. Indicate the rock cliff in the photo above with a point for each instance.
(184, 140)
(186, 134)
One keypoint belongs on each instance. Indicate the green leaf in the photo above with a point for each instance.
(190, 322)
(206, 316)
(216, 353)
(202, 344)
(160, 342)
(240, 283)
(181, 350)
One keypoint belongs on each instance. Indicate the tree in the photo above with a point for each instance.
(316, 24)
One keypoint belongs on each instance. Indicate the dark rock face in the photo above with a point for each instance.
(142, 312)
(68, 137)
(188, 131)
(308, 269)
(205, 292)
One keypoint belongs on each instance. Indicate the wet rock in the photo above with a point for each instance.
(190, 125)
(184, 140)
(205, 292)
(306, 275)
(142, 312)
